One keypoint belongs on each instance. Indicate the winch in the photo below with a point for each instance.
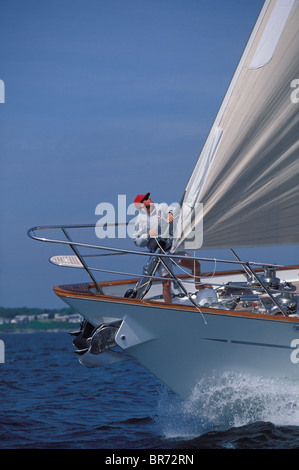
(288, 301)
(269, 278)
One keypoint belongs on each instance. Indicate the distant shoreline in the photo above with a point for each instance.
(63, 327)
(30, 332)
(35, 320)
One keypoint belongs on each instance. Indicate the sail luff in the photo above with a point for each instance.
(227, 96)
(247, 174)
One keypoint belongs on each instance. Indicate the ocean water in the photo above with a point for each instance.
(50, 401)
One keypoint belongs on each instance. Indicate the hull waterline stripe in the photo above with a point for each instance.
(248, 343)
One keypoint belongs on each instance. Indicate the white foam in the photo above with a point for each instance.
(229, 400)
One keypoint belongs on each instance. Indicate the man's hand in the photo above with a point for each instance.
(170, 217)
(152, 233)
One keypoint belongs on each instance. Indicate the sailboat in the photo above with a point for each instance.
(246, 182)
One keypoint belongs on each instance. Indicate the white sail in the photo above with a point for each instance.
(247, 175)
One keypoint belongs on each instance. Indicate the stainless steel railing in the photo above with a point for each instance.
(75, 245)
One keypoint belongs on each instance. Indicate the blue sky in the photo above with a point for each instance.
(103, 98)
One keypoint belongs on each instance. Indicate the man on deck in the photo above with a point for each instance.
(148, 233)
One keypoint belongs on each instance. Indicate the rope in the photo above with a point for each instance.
(189, 296)
(194, 261)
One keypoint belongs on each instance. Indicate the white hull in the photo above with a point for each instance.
(180, 344)
(179, 348)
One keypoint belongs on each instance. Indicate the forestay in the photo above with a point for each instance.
(247, 175)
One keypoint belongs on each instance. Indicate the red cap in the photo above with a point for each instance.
(140, 198)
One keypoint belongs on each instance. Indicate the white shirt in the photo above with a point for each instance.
(158, 219)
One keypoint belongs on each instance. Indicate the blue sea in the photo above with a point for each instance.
(50, 401)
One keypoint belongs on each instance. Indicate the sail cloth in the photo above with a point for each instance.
(247, 175)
